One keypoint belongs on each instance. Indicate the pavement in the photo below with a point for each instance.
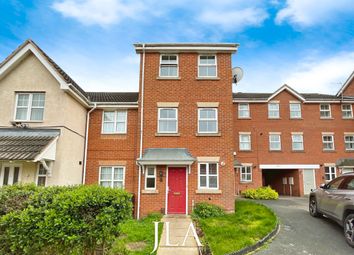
(303, 234)
(179, 225)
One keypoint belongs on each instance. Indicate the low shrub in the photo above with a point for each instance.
(266, 193)
(65, 220)
(206, 210)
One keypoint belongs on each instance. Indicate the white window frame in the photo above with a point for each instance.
(293, 135)
(150, 177)
(327, 142)
(346, 110)
(115, 122)
(169, 64)
(295, 111)
(241, 134)
(217, 120)
(242, 110)
(29, 106)
(11, 173)
(244, 174)
(272, 142)
(41, 175)
(207, 175)
(348, 142)
(332, 171)
(325, 110)
(167, 119)
(112, 173)
(270, 110)
(216, 66)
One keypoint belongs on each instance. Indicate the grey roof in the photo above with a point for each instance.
(167, 154)
(113, 97)
(265, 96)
(237, 163)
(345, 162)
(24, 144)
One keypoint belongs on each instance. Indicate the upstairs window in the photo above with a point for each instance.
(274, 142)
(295, 110)
(297, 142)
(245, 141)
(325, 111)
(208, 176)
(273, 110)
(114, 122)
(328, 142)
(29, 106)
(112, 176)
(168, 65)
(349, 142)
(207, 66)
(207, 120)
(243, 110)
(330, 173)
(167, 120)
(347, 112)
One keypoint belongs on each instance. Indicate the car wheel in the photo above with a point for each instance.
(349, 229)
(313, 208)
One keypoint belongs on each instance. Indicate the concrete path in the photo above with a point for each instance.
(302, 234)
(178, 228)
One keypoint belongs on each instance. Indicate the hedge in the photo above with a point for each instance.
(65, 220)
(205, 210)
(261, 193)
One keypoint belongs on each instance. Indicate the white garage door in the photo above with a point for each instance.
(309, 180)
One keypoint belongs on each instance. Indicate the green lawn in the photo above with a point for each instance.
(232, 232)
(137, 237)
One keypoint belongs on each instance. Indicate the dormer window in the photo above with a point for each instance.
(169, 65)
(207, 66)
(29, 106)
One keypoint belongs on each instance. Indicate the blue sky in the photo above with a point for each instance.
(308, 45)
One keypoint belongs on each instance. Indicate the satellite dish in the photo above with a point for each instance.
(237, 74)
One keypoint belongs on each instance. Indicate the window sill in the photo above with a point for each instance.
(244, 118)
(246, 182)
(349, 151)
(148, 191)
(275, 151)
(26, 121)
(351, 118)
(274, 118)
(323, 118)
(247, 151)
(208, 191)
(330, 151)
(296, 118)
(298, 151)
(168, 78)
(208, 134)
(167, 134)
(207, 78)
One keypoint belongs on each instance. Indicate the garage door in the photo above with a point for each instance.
(309, 180)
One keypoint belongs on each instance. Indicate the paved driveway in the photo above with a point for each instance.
(302, 234)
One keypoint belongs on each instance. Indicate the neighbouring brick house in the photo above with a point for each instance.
(185, 137)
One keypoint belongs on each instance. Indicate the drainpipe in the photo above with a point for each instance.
(141, 129)
(86, 141)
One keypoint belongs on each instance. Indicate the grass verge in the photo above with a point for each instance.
(137, 236)
(232, 232)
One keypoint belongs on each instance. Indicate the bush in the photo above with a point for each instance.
(65, 220)
(205, 210)
(261, 193)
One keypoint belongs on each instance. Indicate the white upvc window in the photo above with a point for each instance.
(245, 141)
(244, 110)
(207, 66)
(207, 120)
(273, 110)
(169, 65)
(208, 176)
(246, 173)
(41, 176)
(349, 142)
(328, 142)
(114, 122)
(112, 176)
(150, 178)
(10, 174)
(274, 142)
(325, 111)
(295, 110)
(167, 120)
(347, 111)
(29, 106)
(297, 142)
(330, 173)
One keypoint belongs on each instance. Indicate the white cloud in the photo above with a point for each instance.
(309, 12)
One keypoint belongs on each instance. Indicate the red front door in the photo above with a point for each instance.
(177, 190)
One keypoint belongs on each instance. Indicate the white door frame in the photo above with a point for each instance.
(11, 172)
(167, 188)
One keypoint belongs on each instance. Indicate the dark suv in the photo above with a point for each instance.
(336, 201)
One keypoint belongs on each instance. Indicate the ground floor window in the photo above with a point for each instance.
(41, 176)
(330, 173)
(246, 173)
(10, 174)
(208, 175)
(112, 176)
(150, 177)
